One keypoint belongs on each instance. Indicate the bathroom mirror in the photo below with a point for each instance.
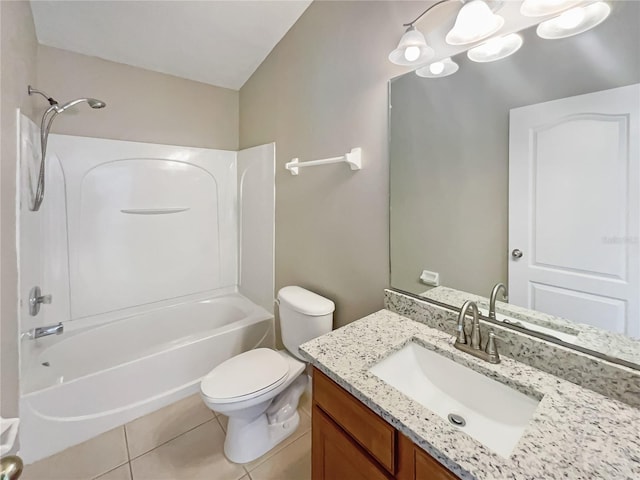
(526, 171)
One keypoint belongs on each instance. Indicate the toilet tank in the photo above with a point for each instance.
(304, 315)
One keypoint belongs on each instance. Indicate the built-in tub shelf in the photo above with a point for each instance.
(154, 211)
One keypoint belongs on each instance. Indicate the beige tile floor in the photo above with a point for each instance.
(181, 441)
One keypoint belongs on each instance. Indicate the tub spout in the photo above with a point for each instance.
(49, 330)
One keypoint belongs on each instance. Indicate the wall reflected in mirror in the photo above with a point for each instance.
(526, 171)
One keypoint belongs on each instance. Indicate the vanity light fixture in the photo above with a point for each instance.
(574, 21)
(475, 21)
(441, 68)
(412, 49)
(541, 8)
(496, 48)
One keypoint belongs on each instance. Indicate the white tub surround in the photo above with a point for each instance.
(140, 247)
(574, 433)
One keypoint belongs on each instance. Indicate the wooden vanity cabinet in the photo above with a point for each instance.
(351, 442)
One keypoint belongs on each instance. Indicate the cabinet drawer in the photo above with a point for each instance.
(375, 435)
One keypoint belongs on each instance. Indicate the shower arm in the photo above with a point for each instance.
(51, 100)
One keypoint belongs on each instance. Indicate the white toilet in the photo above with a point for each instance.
(259, 390)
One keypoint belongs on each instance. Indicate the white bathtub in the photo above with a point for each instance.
(105, 376)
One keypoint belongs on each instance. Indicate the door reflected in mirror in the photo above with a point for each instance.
(526, 171)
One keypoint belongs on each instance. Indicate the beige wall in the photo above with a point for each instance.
(142, 105)
(322, 91)
(18, 47)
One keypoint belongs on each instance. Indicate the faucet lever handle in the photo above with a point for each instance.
(492, 349)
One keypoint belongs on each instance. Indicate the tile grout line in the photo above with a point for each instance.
(171, 439)
(222, 427)
(284, 449)
(117, 466)
(126, 441)
(109, 471)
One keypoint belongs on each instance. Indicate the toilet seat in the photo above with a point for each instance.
(245, 376)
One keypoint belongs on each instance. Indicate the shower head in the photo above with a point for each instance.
(45, 126)
(93, 103)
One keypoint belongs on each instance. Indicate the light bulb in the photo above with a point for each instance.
(411, 53)
(571, 18)
(436, 68)
(478, 15)
(574, 21)
(496, 49)
(540, 8)
(474, 22)
(493, 46)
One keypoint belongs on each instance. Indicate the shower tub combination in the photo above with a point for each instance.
(159, 263)
(100, 377)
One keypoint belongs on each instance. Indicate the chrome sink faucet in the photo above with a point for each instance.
(494, 295)
(472, 347)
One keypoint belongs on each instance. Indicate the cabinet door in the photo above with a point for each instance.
(415, 464)
(336, 456)
(371, 432)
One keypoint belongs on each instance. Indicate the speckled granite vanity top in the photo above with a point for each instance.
(574, 434)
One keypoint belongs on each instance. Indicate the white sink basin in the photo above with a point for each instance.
(495, 414)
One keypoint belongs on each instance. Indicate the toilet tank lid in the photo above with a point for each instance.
(305, 302)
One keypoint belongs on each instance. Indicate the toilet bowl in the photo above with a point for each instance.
(259, 390)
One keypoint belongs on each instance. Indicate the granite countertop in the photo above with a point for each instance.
(575, 433)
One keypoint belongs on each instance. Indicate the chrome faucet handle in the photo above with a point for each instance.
(36, 299)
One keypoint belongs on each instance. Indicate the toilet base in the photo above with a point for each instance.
(248, 439)
(245, 446)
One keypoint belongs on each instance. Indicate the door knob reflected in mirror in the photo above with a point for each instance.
(516, 253)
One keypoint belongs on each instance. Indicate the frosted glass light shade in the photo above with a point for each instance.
(438, 69)
(474, 22)
(540, 8)
(496, 49)
(412, 49)
(574, 21)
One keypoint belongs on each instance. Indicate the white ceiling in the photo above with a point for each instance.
(216, 42)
